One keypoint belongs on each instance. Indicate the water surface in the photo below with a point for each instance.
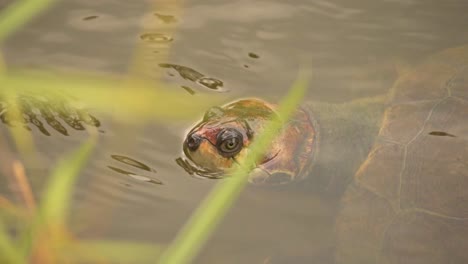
(354, 49)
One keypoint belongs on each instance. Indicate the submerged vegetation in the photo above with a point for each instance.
(36, 231)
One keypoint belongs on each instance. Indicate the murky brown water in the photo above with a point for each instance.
(133, 188)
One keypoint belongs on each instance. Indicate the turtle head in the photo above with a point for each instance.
(225, 134)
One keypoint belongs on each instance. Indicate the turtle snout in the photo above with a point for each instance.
(193, 142)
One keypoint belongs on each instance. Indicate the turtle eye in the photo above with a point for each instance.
(229, 142)
(213, 112)
(229, 145)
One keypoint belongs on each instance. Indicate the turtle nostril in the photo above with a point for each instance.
(193, 142)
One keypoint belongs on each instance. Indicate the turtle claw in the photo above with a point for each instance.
(88, 119)
(27, 116)
(258, 176)
(48, 108)
(47, 112)
(72, 122)
(39, 125)
(261, 177)
(55, 124)
(68, 115)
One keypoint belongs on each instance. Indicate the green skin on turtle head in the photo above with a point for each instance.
(223, 137)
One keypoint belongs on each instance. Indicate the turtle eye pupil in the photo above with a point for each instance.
(229, 142)
(229, 145)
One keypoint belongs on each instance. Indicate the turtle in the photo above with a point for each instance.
(398, 162)
(225, 134)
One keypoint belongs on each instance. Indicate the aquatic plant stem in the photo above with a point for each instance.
(24, 186)
(202, 223)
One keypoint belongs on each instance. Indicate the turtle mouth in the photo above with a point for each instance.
(193, 164)
(193, 169)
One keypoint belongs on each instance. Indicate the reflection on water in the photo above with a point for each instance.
(132, 162)
(354, 49)
(188, 89)
(441, 133)
(90, 17)
(195, 76)
(156, 38)
(135, 176)
(166, 18)
(253, 55)
(136, 164)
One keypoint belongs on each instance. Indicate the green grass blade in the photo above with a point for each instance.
(92, 251)
(54, 205)
(19, 13)
(8, 252)
(213, 208)
(134, 100)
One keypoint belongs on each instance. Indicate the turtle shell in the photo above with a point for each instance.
(408, 202)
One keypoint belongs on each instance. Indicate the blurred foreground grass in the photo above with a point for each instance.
(43, 236)
(126, 98)
(37, 231)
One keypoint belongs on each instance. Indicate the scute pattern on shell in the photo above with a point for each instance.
(409, 200)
